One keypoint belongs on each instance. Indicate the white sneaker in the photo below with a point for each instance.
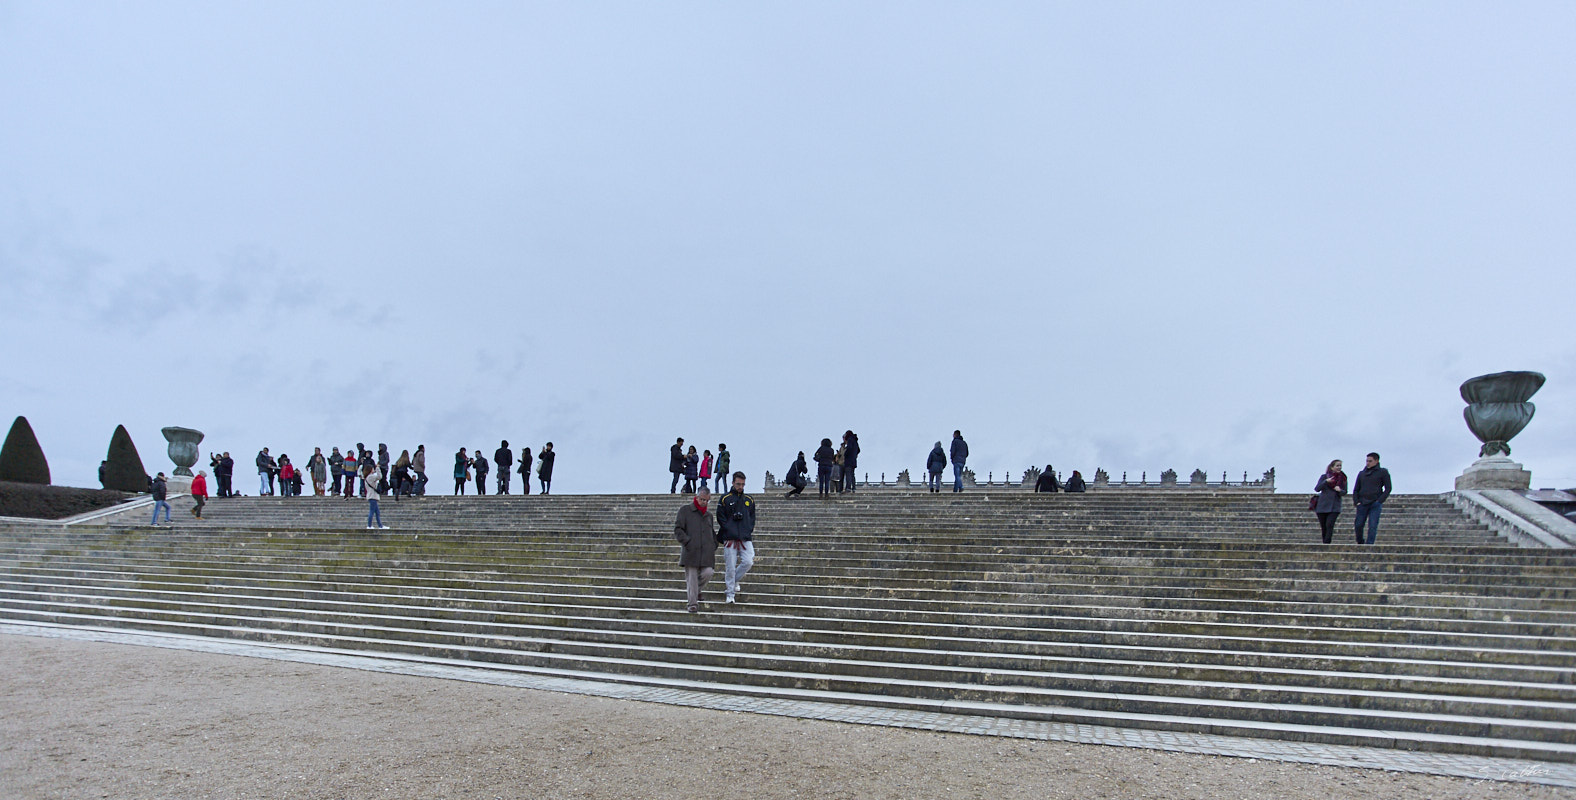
(730, 601)
(384, 528)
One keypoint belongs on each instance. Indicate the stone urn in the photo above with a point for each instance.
(183, 448)
(1498, 409)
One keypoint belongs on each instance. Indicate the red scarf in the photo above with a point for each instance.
(699, 506)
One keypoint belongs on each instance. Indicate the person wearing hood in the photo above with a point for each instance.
(850, 460)
(796, 476)
(160, 491)
(1076, 484)
(1369, 492)
(825, 457)
(544, 468)
(503, 459)
(1047, 481)
(697, 537)
(934, 465)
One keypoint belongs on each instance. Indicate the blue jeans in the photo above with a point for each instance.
(957, 476)
(373, 514)
(1368, 512)
(262, 483)
(935, 482)
(158, 504)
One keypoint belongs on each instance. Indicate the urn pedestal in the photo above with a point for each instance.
(1497, 409)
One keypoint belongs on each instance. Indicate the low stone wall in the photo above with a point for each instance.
(1101, 480)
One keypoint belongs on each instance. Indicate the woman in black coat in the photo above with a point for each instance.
(1330, 486)
(796, 475)
(850, 460)
(1076, 482)
(544, 468)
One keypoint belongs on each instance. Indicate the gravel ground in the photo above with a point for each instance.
(92, 720)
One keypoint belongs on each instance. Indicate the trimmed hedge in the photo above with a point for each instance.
(124, 472)
(21, 459)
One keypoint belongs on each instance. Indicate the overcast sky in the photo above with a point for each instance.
(1131, 236)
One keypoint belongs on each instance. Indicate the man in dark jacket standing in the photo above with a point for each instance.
(960, 454)
(223, 473)
(479, 463)
(697, 539)
(676, 464)
(736, 530)
(1369, 493)
(503, 459)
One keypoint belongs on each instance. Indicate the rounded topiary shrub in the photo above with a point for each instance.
(124, 470)
(21, 459)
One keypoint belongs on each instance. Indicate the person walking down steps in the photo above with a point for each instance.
(1331, 487)
(736, 531)
(697, 540)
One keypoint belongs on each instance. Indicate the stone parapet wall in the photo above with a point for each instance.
(1101, 481)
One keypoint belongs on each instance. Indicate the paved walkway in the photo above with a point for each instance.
(1463, 766)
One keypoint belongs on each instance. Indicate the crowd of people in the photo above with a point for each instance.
(469, 468)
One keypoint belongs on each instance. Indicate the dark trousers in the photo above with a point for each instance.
(1369, 513)
(224, 486)
(797, 487)
(481, 484)
(459, 485)
(421, 484)
(675, 487)
(197, 509)
(271, 482)
(850, 477)
(547, 484)
(503, 481)
(1327, 524)
(338, 478)
(823, 479)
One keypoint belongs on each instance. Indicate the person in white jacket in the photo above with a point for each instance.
(375, 489)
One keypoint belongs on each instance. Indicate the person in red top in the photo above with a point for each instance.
(199, 492)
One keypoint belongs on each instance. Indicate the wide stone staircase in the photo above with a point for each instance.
(1217, 612)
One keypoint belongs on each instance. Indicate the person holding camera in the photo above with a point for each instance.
(736, 529)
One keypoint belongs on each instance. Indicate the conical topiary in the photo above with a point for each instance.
(124, 470)
(21, 459)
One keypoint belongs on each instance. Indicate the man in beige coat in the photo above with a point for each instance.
(697, 535)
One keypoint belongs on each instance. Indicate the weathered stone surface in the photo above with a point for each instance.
(1494, 472)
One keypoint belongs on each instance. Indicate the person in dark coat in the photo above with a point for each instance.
(691, 469)
(223, 474)
(462, 471)
(479, 463)
(336, 466)
(796, 476)
(160, 491)
(1047, 481)
(850, 460)
(1330, 486)
(265, 472)
(697, 536)
(544, 468)
(1369, 493)
(960, 455)
(934, 464)
(1076, 482)
(736, 532)
(825, 456)
(676, 464)
(383, 461)
(503, 459)
(525, 470)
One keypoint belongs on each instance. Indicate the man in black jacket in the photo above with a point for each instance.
(736, 529)
(960, 455)
(1368, 494)
(676, 464)
(1047, 481)
(223, 473)
(544, 468)
(503, 460)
